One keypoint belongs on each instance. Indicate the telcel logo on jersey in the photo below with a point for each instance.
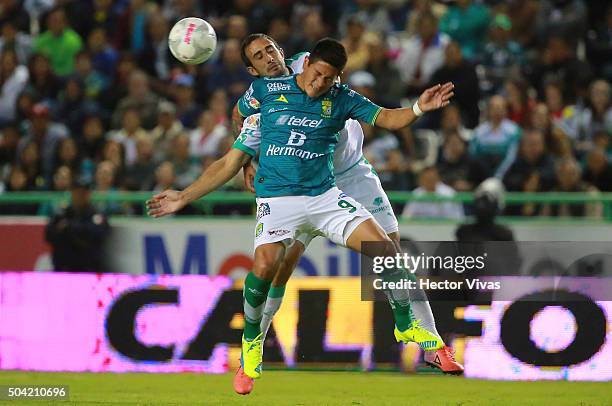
(297, 121)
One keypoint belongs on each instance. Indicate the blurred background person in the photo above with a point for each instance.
(430, 184)
(77, 233)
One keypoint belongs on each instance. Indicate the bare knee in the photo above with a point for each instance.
(288, 264)
(267, 260)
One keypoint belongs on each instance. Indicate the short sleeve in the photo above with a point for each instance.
(360, 107)
(250, 136)
(248, 103)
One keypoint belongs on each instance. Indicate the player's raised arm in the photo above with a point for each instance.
(435, 97)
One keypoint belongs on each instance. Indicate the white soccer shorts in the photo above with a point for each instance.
(363, 185)
(331, 214)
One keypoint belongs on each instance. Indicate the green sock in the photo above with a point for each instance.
(255, 293)
(399, 299)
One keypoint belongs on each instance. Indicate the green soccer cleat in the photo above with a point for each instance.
(417, 334)
(251, 357)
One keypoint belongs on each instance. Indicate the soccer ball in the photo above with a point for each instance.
(192, 40)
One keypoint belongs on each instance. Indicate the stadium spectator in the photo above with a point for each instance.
(502, 57)
(168, 127)
(77, 233)
(532, 171)
(568, 179)
(558, 62)
(218, 105)
(457, 169)
(451, 121)
(103, 56)
(165, 177)
(419, 9)
(430, 183)
(355, 44)
(564, 18)
(12, 11)
(94, 83)
(62, 179)
(280, 30)
(72, 105)
(43, 83)
(131, 26)
(599, 47)
(467, 22)
(17, 181)
(118, 88)
(87, 15)
(139, 175)
(186, 168)
(13, 79)
(187, 109)
(175, 10)
(19, 42)
(206, 138)
(372, 11)
(229, 73)
(91, 137)
(583, 123)
(9, 138)
(28, 159)
(523, 15)
(68, 155)
(313, 29)
(463, 75)
(114, 152)
(422, 54)
(388, 89)
(129, 133)
(257, 13)
(520, 104)
(598, 171)
(237, 27)
(533, 160)
(59, 43)
(139, 98)
(495, 141)
(46, 135)
(155, 58)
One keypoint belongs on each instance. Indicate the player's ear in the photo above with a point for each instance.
(281, 51)
(252, 71)
(306, 61)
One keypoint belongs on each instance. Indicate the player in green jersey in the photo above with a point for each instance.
(295, 185)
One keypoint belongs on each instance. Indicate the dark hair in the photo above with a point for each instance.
(248, 40)
(329, 51)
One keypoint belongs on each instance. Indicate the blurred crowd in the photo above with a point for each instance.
(90, 90)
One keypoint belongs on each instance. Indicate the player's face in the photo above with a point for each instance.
(267, 59)
(318, 77)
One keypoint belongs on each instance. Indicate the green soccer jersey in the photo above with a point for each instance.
(299, 133)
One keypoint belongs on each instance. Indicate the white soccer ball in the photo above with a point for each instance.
(192, 40)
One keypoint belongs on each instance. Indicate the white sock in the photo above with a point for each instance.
(273, 303)
(421, 310)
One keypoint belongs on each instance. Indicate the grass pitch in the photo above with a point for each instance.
(308, 388)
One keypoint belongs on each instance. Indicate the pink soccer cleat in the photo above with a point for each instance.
(444, 360)
(243, 385)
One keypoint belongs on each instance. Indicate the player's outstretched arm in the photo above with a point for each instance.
(435, 97)
(217, 174)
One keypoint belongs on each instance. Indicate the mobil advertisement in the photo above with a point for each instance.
(197, 246)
